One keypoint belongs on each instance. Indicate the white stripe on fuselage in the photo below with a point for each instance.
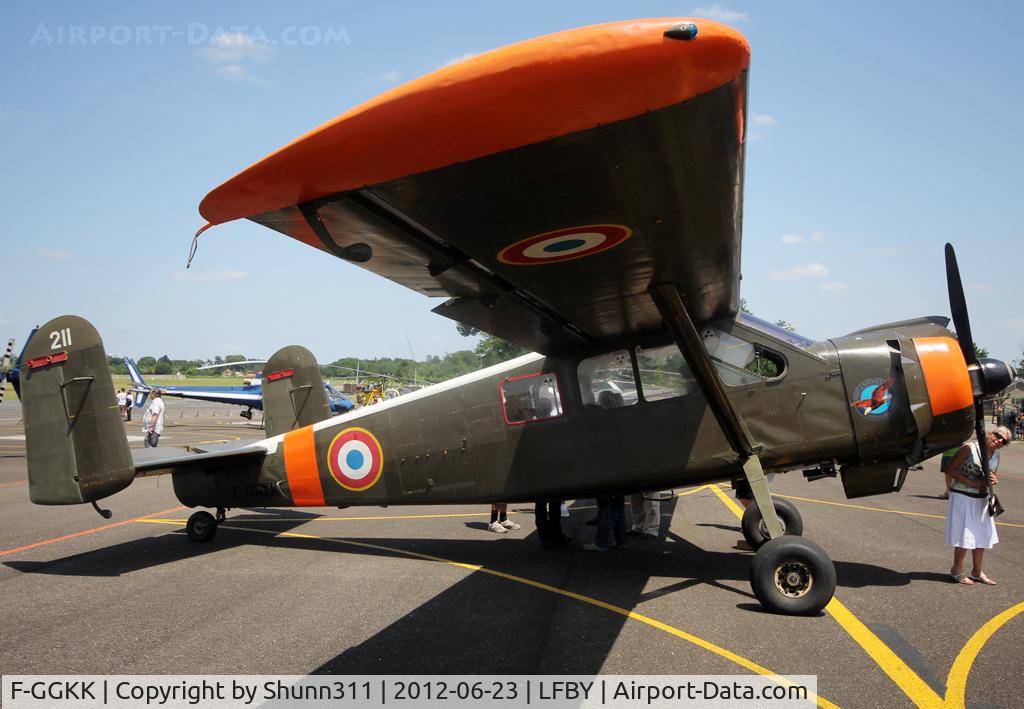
(270, 444)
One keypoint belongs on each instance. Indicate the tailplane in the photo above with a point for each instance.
(77, 448)
(139, 390)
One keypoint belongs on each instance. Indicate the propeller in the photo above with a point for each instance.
(988, 376)
(6, 368)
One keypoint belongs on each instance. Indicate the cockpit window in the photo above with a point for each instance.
(779, 333)
(534, 397)
(664, 373)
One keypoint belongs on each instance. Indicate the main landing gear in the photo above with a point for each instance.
(247, 414)
(793, 576)
(202, 526)
(755, 531)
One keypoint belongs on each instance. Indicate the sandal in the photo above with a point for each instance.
(982, 578)
(962, 578)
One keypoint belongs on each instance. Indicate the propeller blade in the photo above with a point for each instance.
(958, 307)
(5, 366)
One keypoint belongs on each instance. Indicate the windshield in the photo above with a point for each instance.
(779, 333)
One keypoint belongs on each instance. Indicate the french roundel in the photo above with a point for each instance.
(564, 244)
(355, 459)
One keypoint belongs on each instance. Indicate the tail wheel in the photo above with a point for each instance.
(201, 526)
(793, 576)
(755, 531)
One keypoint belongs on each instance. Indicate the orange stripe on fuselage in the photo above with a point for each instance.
(301, 469)
(945, 373)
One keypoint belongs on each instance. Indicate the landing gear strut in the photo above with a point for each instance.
(247, 414)
(202, 526)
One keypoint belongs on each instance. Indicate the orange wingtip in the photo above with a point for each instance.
(945, 374)
(510, 97)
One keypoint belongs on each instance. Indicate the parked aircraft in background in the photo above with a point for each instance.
(249, 396)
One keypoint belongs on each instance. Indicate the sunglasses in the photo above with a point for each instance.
(999, 437)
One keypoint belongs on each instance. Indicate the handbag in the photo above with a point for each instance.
(995, 508)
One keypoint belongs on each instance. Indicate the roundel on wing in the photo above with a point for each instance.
(355, 459)
(564, 244)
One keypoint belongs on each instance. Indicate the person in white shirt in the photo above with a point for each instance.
(122, 399)
(153, 420)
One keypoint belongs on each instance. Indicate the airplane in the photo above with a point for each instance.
(578, 194)
(248, 395)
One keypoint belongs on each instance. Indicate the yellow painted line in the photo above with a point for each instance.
(956, 682)
(899, 672)
(693, 639)
(218, 440)
(728, 501)
(880, 509)
(905, 678)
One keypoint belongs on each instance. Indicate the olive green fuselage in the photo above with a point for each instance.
(451, 443)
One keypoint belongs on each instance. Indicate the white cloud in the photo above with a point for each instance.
(792, 239)
(53, 253)
(799, 272)
(832, 286)
(763, 119)
(389, 77)
(209, 276)
(456, 60)
(232, 53)
(717, 12)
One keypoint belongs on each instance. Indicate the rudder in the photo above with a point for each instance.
(293, 391)
(77, 448)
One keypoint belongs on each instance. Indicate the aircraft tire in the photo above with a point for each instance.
(201, 526)
(755, 531)
(793, 576)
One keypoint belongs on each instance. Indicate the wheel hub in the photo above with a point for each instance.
(793, 579)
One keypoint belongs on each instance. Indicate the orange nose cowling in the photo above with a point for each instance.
(945, 374)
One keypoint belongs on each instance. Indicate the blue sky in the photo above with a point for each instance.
(879, 131)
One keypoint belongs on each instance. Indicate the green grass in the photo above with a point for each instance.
(121, 381)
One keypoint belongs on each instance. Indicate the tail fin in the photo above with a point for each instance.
(139, 390)
(77, 448)
(293, 391)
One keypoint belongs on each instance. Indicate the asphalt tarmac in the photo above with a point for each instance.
(430, 590)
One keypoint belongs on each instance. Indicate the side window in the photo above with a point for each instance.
(664, 373)
(607, 381)
(534, 397)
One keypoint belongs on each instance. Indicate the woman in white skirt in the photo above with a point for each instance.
(968, 523)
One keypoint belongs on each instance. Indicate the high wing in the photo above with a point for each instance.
(541, 187)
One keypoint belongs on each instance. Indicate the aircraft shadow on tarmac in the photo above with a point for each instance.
(482, 623)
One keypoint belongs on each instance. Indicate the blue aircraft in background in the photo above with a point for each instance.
(10, 368)
(249, 395)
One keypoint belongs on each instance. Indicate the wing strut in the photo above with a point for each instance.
(673, 312)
